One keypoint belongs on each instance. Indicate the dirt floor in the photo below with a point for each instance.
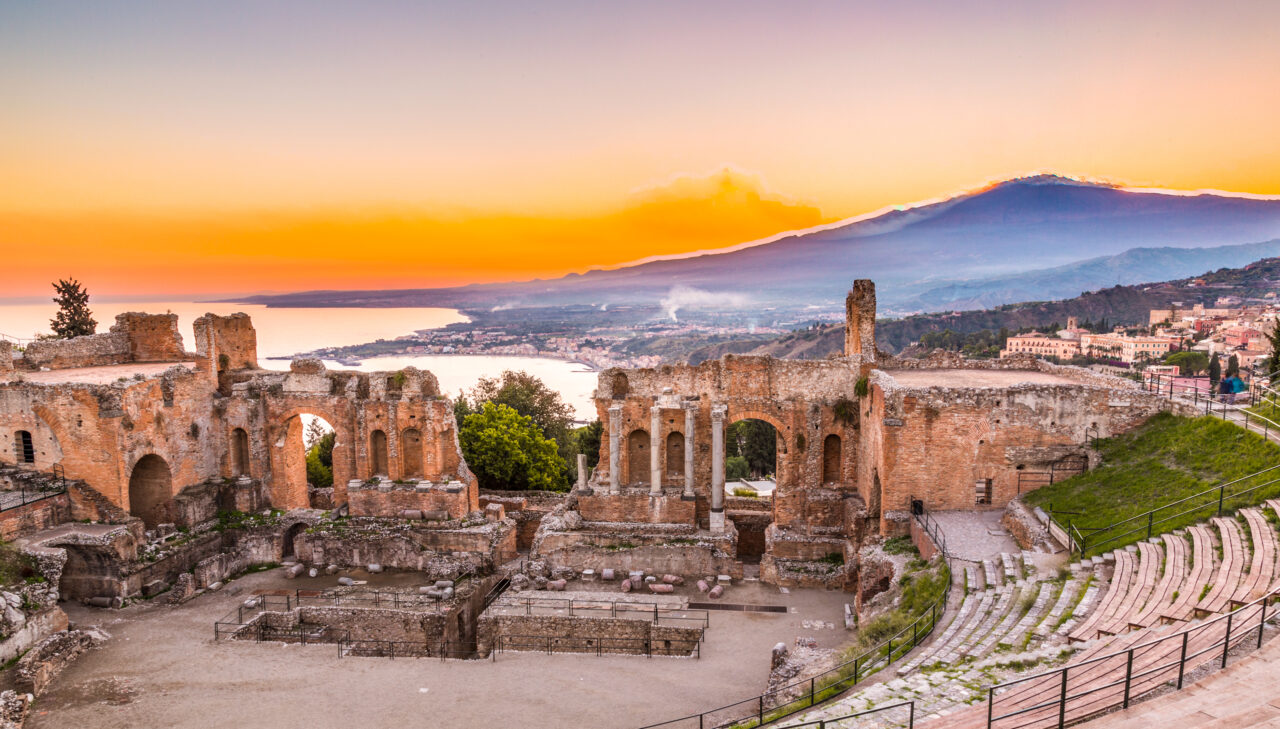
(162, 668)
(975, 378)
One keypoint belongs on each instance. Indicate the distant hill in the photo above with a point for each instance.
(1119, 304)
(972, 248)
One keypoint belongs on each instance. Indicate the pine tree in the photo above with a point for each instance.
(74, 318)
(1273, 364)
(1233, 366)
(1215, 369)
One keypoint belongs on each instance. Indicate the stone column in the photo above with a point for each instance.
(655, 451)
(615, 449)
(690, 418)
(717, 468)
(582, 471)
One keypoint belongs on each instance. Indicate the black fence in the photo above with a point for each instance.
(1077, 691)
(21, 496)
(1213, 501)
(903, 714)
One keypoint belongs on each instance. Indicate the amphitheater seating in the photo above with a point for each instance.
(1140, 588)
(1230, 573)
(1262, 565)
(1175, 574)
(1203, 564)
(1121, 578)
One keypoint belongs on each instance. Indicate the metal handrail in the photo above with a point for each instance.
(822, 723)
(1081, 533)
(1186, 660)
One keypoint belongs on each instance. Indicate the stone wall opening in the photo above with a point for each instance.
(638, 457)
(24, 450)
(751, 450)
(307, 458)
(411, 453)
(239, 452)
(831, 453)
(378, 453)
(287, 549)
(675, 457)
(151, 490)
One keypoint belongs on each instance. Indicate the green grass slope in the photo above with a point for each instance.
(1167, 459)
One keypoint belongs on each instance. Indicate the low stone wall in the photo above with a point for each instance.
(923, 543)
(584, 635)
(628, 547)
(34, 629)
(391, 499)
(93, 350)
(46, 660)
(637, 507)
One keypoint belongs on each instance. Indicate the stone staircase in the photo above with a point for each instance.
(1011, 624)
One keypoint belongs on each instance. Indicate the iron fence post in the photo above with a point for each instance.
(1151, 515)
(811, 691)
(1221, 492)
(1182, 662)
(760, 712)
(911, 715)
(1262, 621)
(1226, 640)
(1062, 703)
(1128, 677)
(991, 704)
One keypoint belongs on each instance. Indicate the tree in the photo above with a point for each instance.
(756, 441)
(507, 450)
(1233, 366)
(73, 318)
(1215, 369)
(1189, 363)
(320, 461)
(736, 468)
(1273, 340)
(587, 441)
(528, 396)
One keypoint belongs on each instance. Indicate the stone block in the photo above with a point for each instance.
(661, 587)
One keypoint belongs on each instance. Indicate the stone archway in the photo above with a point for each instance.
(239, 452)
(288, 549)
(151, 490)
(378, 453)
(289, 489)
(831, 459)
(675, 457)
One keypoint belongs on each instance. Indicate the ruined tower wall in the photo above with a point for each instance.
(135, 337)
(230, 336)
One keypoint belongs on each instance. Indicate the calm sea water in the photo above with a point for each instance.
(283, 332)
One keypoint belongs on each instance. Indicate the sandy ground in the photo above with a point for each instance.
(162, 668)
(975, 378)
(104, 375)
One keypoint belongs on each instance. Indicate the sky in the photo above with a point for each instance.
(236, 147)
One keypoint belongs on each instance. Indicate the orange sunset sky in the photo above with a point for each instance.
(201, 149)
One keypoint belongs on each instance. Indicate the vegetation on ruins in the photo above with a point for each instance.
(1166, 459)
(507, 450)
(586, 440)
(320, 461)
(73, 318)
(17, 568)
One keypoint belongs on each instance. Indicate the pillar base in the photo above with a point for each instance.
(717, 522)
(688, 497)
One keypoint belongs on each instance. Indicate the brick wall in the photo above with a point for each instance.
(637, 507)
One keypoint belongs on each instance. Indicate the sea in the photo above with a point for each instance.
(287, 331)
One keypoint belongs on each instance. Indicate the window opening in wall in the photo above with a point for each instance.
(24, 448)
(982, 491)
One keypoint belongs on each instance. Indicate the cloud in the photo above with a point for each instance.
(687, 297)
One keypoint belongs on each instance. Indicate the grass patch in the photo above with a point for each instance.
(743, 491)
(899, 545)
(17, 568)
(1167, 459)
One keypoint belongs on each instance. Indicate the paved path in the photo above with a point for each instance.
(975, 535)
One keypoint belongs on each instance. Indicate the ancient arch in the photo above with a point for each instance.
(761, 462)
(378, 453)
(289, 459)
(620, 386)
(638, 457)
(151, 490)
(675, 455)
(287, 548)
(239, 452)
(411, 453)
(831, 453)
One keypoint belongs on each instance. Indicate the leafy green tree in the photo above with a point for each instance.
(756, 441)
(1273, 364)
(586, 440)
(73, 318)
(530, 396)
(507, 450)
(1189, 363)
(1215, 369)
(1233, 366)
(461, 408)
(735, 468)
(320, 461)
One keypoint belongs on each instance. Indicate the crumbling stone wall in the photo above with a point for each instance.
(585, 635)
(135, 337)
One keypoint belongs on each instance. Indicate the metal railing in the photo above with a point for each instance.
(836, 721)
(549, 644)
(21, 496)
(366, 599)
(1077, 691)
(652, 611)
(798, 696)
(1210, 502)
